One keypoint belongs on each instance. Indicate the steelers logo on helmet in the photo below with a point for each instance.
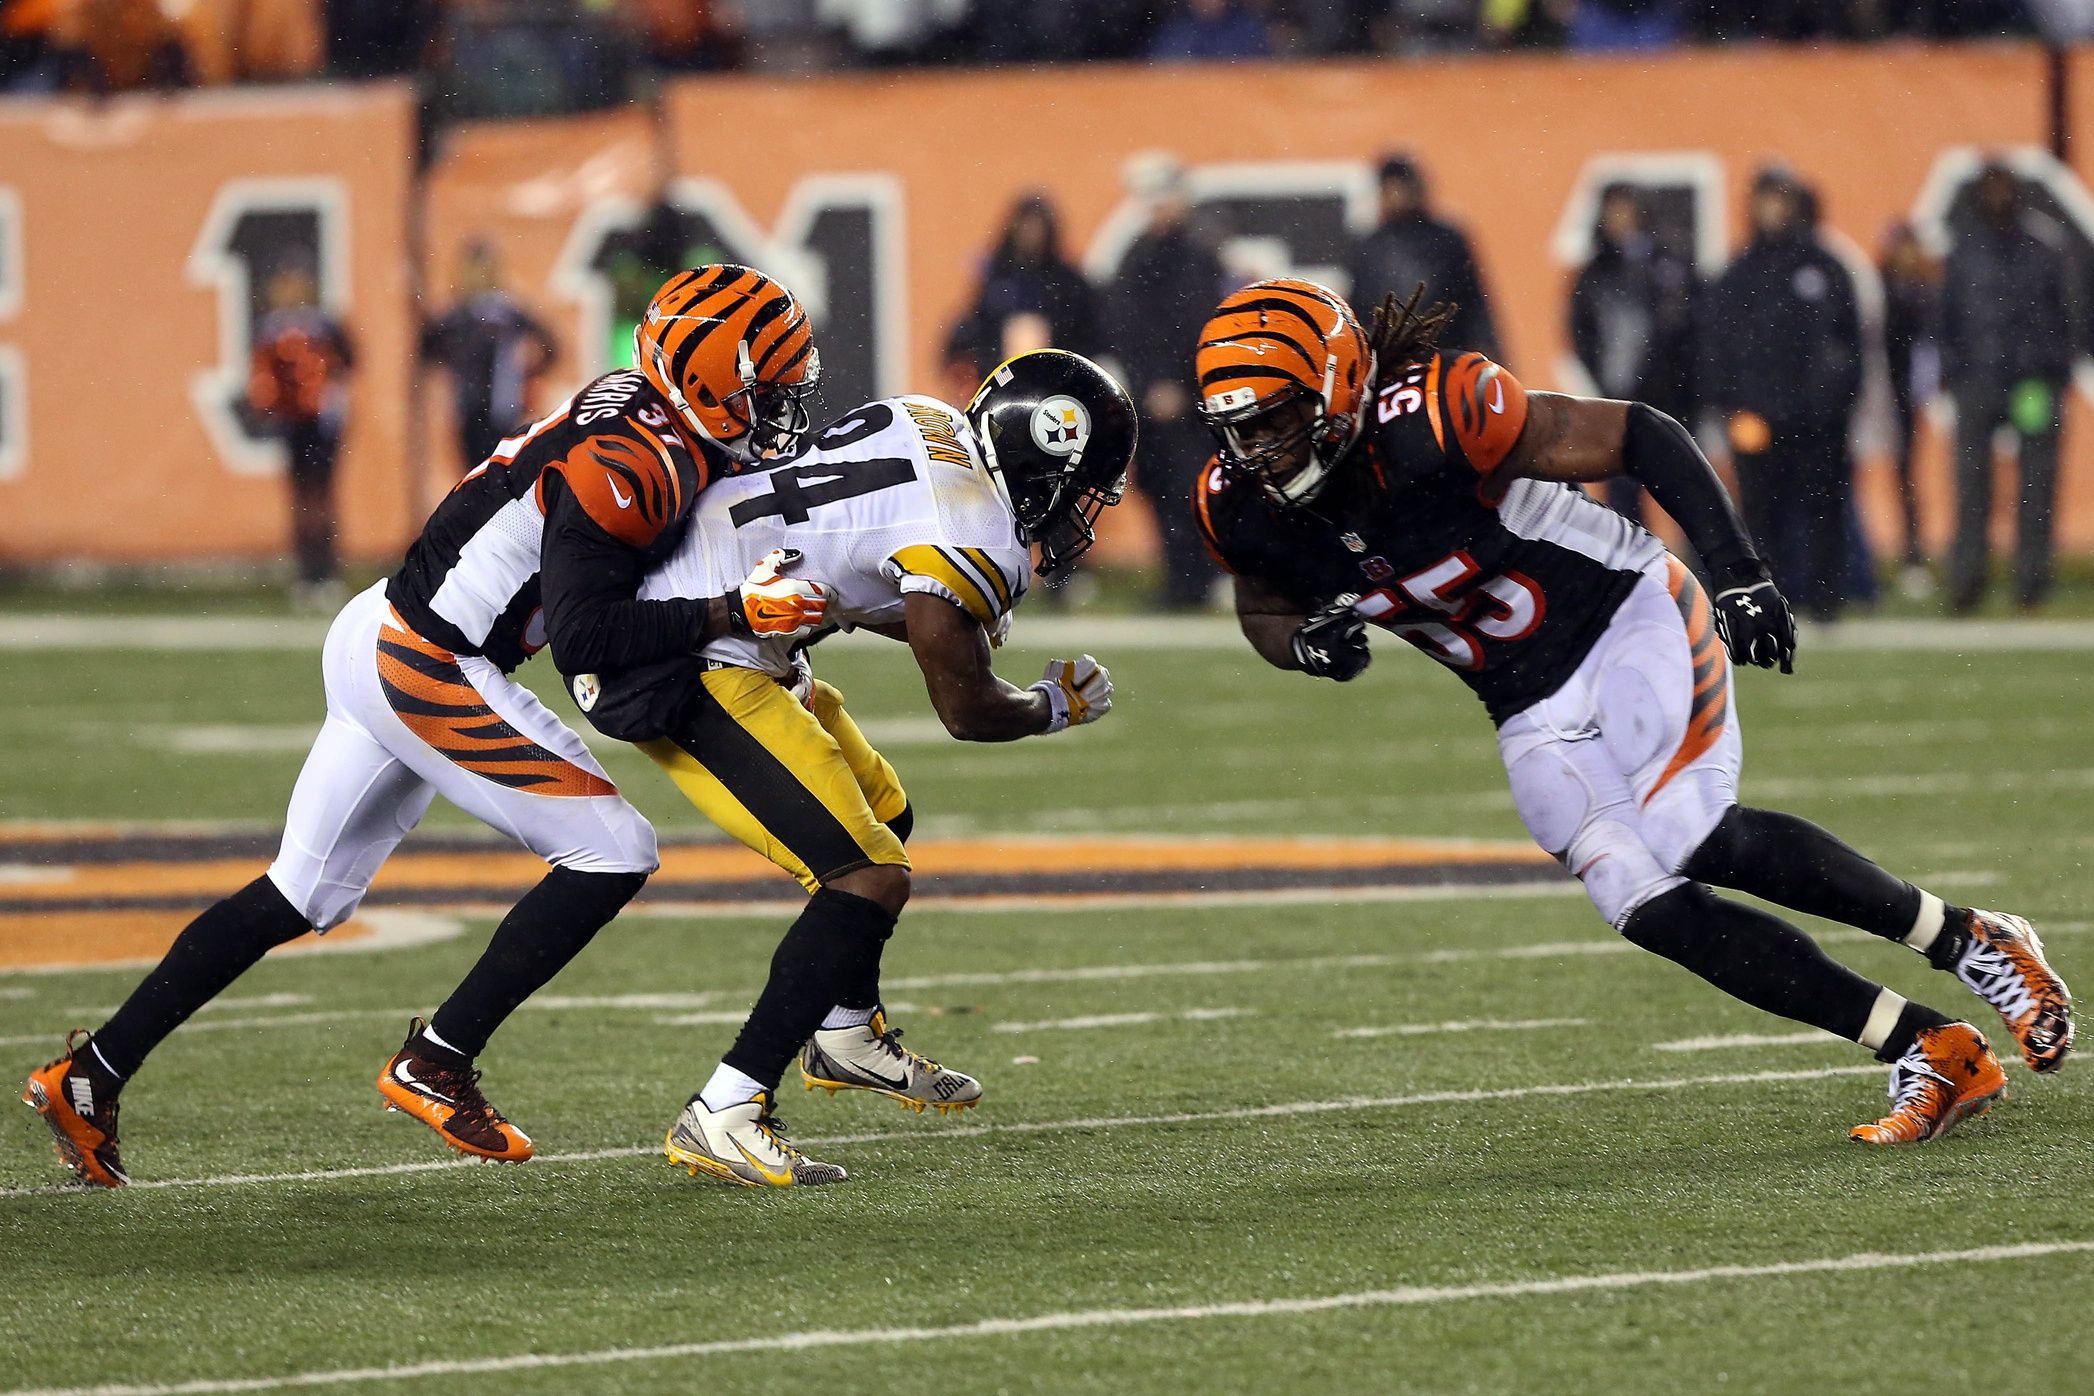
(1061, 426)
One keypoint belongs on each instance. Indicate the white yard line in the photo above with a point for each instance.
(1402, 1296)
(1719, 1041)
(1464, 1025)
(1123, 1020)
(919, 1135)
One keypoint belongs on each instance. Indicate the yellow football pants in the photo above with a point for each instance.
(796, 782)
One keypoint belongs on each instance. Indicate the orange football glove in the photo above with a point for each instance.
(769, 605)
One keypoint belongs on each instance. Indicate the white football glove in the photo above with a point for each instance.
(1078, 691)
(769, 605)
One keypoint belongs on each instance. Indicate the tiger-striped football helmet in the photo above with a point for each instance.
(1284, 374)
(733, 353)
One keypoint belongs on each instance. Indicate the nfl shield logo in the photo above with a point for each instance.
(1353, 541)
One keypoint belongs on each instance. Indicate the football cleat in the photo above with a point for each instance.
(871, 1057)
(448, 1100)
(82, 1119)
(744, 1146)
(2003, 964)
(1948, 1076)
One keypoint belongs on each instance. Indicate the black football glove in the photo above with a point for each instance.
(1332, 644)
(1756, 626)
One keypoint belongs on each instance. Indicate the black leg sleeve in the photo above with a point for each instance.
(539, 937)
(214, 950)
(1793, 863)
(835, 943)
(1767, 963)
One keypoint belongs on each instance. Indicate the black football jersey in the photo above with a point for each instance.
(1509, 582)
(472, 579)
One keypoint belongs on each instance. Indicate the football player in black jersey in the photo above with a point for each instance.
(1364, 478)
(545, 543)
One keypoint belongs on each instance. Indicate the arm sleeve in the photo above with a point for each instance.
(589, 578)
(1660, 454)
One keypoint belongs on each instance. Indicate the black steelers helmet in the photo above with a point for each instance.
(1059, 432)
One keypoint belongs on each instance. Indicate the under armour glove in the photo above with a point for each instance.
(1332, 644)
(1078, 691)
(769, 605)
(1755, 624)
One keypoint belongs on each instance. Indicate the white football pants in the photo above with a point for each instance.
(407, 721)
(1624, 771)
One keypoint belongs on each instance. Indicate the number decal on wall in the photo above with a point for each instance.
(255, 229)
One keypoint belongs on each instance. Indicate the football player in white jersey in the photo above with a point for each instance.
(919, 522)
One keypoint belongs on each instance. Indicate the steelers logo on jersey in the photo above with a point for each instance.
(1061, 426)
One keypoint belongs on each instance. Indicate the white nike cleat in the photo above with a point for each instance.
(743, 1145)
(872, 1058)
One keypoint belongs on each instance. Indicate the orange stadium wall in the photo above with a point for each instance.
(124, 315)
(877, 196)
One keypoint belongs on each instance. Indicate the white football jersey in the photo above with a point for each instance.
(892, 499)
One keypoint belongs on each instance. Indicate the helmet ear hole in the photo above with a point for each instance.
(705, 395)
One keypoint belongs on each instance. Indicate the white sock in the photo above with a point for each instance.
(430, 1033)
(1926, 926)
(841, 1017)
(728, 1088)
(1882, 1019)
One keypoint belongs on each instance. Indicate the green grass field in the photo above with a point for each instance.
(1565, 1202)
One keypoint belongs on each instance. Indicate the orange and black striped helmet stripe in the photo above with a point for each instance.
(1275, 338)
(692, 340)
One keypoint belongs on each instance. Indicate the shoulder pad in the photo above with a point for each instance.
(626, 482)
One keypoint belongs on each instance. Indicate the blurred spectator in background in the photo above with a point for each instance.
(493, 348)
(2010, 303)
(380, 38)
(1632, 322)
(297, 384)
(1783, 361)
(1031, 297)
(1410, 246)
(889, 32)
(1166, 287)
(1599, 26)
(1911, 306)
(638, 260)
(25, 44)
(687, 36)
(1208, 31)
(103, 47)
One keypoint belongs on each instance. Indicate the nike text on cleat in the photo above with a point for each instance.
(2004, 965)
(82, 1119)
(1949, 1076)
(448, 1100)
(871, 1058)
(744, 1146)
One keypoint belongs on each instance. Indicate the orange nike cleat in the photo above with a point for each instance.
(2004, 965)
(82, 1120)
(1948, 1076)
(448, 1100)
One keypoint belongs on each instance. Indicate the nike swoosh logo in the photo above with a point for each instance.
(779, 1177)
(407, 1079)
(901, 1085)
(1497, 396)
(624, 500)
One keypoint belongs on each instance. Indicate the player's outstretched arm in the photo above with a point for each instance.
(1330, 644)
(1580, 439)
(952, 649)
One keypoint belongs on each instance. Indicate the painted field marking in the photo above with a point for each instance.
(1719, 1041)
(1124, 1020)
(1464, 1025)
(1403, 1296)
(1284, 1110)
